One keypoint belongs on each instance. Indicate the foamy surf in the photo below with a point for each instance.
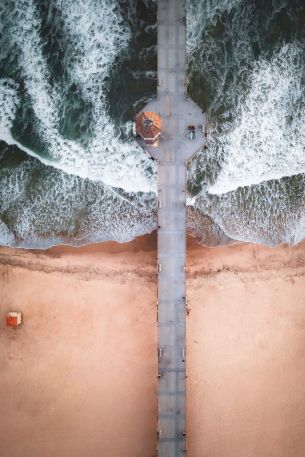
(250, 181)
(73, 74)
(78, 180)
(96, 35)
(266, 139)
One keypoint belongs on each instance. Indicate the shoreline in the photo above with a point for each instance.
(147, 242)
(200, 260)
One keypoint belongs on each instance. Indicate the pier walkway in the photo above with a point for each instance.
(177, 111)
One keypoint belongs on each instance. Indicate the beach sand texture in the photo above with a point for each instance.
(79, 378)
(246, 352)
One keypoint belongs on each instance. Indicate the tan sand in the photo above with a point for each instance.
(246, 352)
(79, 378)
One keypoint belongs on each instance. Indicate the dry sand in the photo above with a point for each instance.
(79, 378)
(246, 352)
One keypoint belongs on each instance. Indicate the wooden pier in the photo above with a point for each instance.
(175, 148)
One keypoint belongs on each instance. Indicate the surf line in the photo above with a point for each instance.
(171, 128)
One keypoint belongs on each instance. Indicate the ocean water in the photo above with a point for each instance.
(247, 70)
(74, 73)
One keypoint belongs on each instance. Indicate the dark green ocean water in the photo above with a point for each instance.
(72, 76)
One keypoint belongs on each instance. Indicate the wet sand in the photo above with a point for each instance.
(79, 378)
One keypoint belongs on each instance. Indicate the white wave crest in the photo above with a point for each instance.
(8, 103)
(268, 213)
(6, 237)
(267, 139)
(60, 208)
(96, 36)
(200, 14)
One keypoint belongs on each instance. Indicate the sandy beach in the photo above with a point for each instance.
(246, 351)
(79, 378)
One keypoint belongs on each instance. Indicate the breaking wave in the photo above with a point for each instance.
(94, 37)
(82, 177)
(247, 71)
(74, 73)
(266, 139)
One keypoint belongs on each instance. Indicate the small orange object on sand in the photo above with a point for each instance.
(13, 319)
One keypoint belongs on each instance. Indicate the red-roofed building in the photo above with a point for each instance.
(148, 127)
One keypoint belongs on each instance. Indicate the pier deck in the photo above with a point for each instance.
(177, 111)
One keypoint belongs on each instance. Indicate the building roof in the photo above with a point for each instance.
(148, 125)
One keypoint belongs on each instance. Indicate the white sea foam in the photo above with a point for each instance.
(268, 213)
(201, 14)
(6, 237)
(63, 208)
(8, 102)
(266, 140)
(256, 152)
(97, 35)
(297, 229)
(42, 206)
(263, 142)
